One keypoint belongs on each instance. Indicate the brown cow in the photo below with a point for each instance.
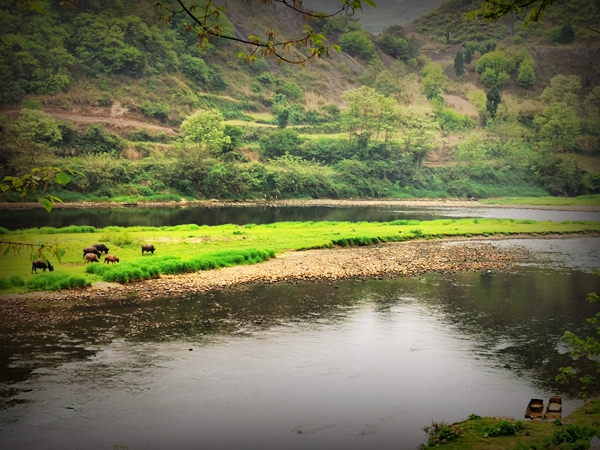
(111, 258)
(90, 257)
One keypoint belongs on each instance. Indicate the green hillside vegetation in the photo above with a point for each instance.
(392, 116)
(189, 248)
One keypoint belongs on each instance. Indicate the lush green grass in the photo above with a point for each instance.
(550, 201)
(572, 433)
(184, 247)
(170, 265)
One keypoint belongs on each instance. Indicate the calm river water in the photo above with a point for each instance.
(354, 365)
(242, 215)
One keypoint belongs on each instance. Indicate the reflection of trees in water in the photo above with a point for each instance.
(239, 215)
(518, 319)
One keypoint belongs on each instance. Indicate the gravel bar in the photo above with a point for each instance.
(401, 259)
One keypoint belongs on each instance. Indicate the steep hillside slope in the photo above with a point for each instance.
(385, 14)
(143, 111)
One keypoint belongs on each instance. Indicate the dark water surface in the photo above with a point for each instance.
(355, 365)
(241, 215)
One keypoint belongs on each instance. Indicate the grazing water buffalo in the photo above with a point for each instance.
(101, 248)
(111, 258)
(90, 257)
(40, 264)
(148, 248)
(93, 250)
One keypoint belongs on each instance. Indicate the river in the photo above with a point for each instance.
(241, 215)
(352, 365)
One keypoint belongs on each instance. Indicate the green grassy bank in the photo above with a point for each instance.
(571, 433)
(189, 248)
(587, 200)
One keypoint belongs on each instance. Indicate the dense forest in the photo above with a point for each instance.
(438, 108)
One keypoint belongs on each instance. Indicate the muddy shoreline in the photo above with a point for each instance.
(449, 203)
(401, 259)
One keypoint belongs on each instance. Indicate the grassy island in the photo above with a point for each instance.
(190, 248)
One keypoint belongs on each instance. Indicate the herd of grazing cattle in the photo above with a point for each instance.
(90, 254)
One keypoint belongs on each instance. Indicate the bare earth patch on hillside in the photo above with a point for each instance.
(461, 105)
(113, 117)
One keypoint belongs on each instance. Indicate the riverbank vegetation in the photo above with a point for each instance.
(189, 248)
(569, 433)
(582, 200)
(394, 124)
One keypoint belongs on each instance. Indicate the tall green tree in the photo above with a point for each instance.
(493, 100)
(205, 126)
(562, 89)
(369, 114)
(434, 80)
(393, 42)
(526, 77)
(592, 101)
(419, 133)
(459, 64)
(558, 126)
(468, 49)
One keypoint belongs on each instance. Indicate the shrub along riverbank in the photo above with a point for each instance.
(189, 248)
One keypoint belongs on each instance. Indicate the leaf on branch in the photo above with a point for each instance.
(46, 204)
(62, 178)
(52, 198)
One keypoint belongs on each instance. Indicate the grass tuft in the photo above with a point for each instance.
(171, 265)
(56, 282)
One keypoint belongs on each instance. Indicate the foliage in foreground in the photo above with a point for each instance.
(587, 347)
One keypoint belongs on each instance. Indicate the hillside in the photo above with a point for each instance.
(385, 14)
(143, 112)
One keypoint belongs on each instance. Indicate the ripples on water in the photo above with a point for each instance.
(353, 365)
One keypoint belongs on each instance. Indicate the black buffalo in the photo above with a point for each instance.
(40, 264)
(101, 248)
(148, 248)
(93, 250)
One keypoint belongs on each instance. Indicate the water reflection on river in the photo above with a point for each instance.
(353, 365)
(241, 215)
